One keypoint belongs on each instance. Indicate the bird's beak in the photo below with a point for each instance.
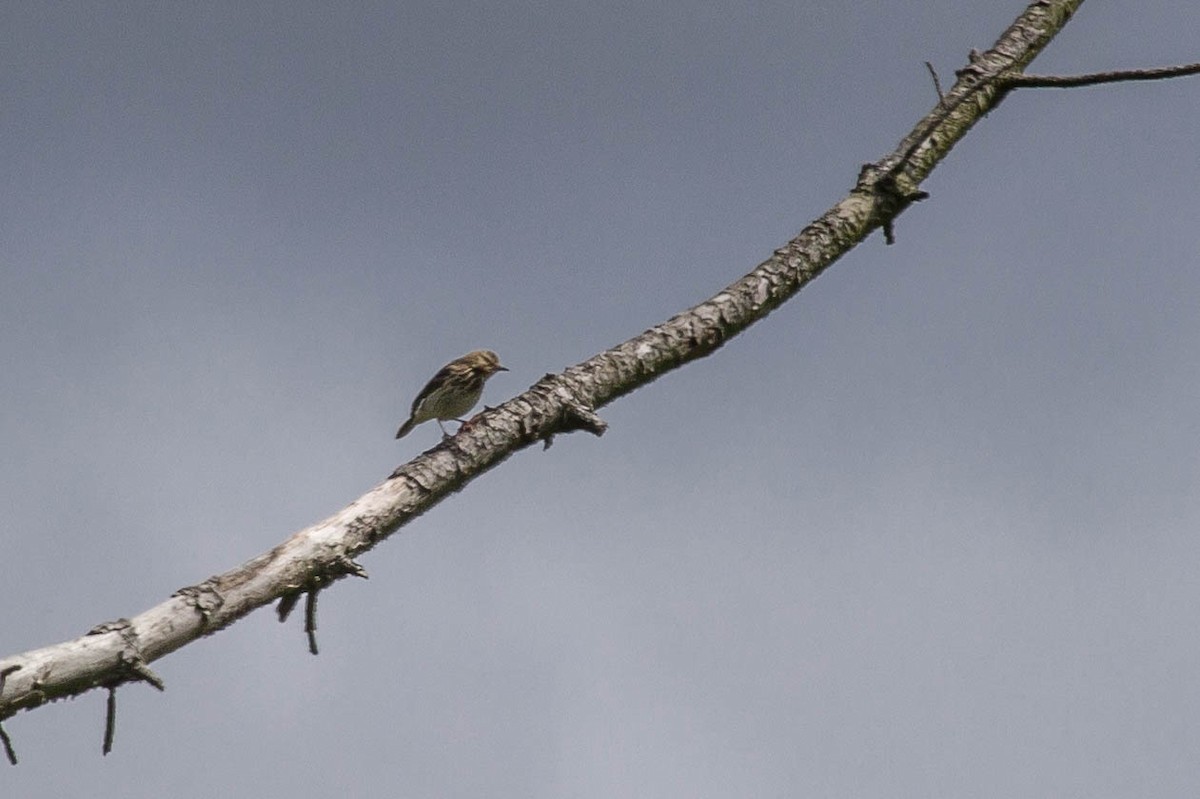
(500, 368)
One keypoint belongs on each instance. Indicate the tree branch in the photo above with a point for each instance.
(1024, 81)
(317, 556)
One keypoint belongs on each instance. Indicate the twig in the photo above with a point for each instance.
(1024, 81)
(110, 720)
(287, 603)
(9, 752)
(310, 619)
(142, 672)
(341, 567)
(937, 83)
(4, 672)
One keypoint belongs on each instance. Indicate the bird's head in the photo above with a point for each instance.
(483, 362)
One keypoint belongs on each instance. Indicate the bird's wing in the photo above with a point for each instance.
(435, 381)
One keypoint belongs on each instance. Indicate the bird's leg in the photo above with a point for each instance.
(445, 436)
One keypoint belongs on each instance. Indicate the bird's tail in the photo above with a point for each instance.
(405, 428)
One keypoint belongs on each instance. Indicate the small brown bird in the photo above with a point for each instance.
(453, 391)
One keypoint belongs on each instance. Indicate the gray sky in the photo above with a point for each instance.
(930, 530)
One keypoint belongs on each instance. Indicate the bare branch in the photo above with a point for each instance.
(1025, 81)
(976, 92)
(314, 558)
(322, 554)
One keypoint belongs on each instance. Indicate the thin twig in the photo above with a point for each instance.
(1025, 81)
(287, 603)
(941, 114)
(9, 752)
(110, 720)
(937, 82)
(4, 672)
(310, 619)
(145, 674)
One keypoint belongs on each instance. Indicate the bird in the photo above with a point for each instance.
(453, 391)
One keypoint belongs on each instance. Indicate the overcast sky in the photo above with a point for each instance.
(928, 531)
